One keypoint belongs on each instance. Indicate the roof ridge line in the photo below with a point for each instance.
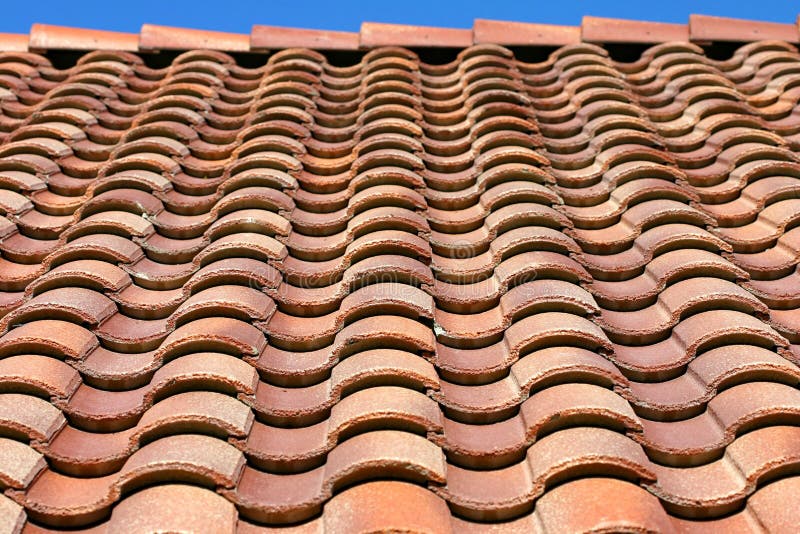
(597, 30)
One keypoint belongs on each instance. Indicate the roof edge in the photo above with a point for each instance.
(597, 30)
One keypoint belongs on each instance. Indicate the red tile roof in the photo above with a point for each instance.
(546, 296)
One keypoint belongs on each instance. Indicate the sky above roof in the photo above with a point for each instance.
(240, 15)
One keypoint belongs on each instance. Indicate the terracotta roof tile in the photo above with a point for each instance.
(487, 294)
(14, 42)
(524, 34)
(604, 30)
(375, 34)
(47, 36)
(708, 28)
(276, 37)
(154, 37)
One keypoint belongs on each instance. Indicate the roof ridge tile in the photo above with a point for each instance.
(612, 30)
(155, 37)
(48, 36)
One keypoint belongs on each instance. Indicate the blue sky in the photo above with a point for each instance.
(240, 15)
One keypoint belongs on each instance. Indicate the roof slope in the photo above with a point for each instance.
(555, 296)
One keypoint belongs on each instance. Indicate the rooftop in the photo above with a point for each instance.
(548, 284)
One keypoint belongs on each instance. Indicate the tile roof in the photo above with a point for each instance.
(497, 294)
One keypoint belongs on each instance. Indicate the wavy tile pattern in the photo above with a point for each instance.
(459, 297)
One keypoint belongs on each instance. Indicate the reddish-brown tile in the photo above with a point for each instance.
(168, 38)
(583, 506)
(276, 37)
(374, 34)
(173, 507)
(14, 42)
(606, 30)
(708, 28)
(46, 37)
(509, 33)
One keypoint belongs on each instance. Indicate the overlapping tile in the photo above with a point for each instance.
(493, 291)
